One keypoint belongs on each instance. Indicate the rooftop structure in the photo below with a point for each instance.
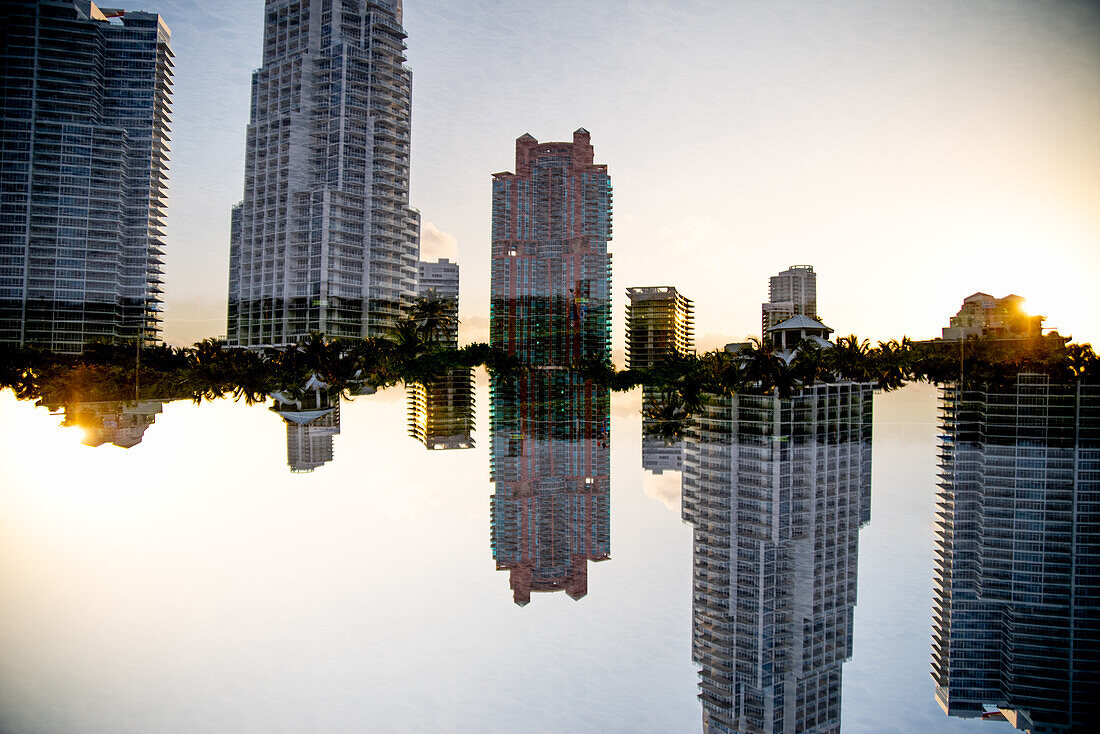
(324, 239)
(788, 334)
(983, 315)
(84, 110)
(791, 293)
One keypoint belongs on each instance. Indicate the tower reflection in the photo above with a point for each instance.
(119, 422)
(777, 489)
(551, 462)
(312, 416)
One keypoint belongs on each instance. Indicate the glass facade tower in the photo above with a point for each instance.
(324, 239)
(85, 99)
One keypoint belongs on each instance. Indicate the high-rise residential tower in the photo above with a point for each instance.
(792, 292)
(1016, 607)
(660, 321)
(84, 109)
(324, 239)
(551, 271)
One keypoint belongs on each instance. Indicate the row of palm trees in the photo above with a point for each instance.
(423, 346)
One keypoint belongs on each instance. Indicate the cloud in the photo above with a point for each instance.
(664, 488)
(435, 243)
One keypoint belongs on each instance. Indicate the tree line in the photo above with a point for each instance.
(422, 347)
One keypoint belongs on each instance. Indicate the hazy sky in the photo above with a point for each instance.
(913, 152)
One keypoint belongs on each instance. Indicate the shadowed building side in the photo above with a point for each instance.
(1016, 608)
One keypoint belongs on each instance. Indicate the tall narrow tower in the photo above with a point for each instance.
(551, 272)
(660, 323)
(324, 239)
(84, 106)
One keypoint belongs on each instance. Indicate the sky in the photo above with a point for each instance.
(912, 152)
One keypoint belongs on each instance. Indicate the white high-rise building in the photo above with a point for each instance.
(438, 279)
(324, 239)
(791, 293)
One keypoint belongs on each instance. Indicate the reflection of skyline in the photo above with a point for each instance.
(441, 409)
(1016, 618)
(312, 418)
(777, 489)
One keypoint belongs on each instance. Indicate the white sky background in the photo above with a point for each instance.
(913, 152)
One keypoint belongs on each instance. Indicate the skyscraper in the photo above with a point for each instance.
(792, 292)
(551, 272)
(777, 489)
(324, 239)
(84, 107)
(550, 452)
(1016, 615)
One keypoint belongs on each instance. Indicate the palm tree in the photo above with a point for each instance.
(849, 358)
(435, 316)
